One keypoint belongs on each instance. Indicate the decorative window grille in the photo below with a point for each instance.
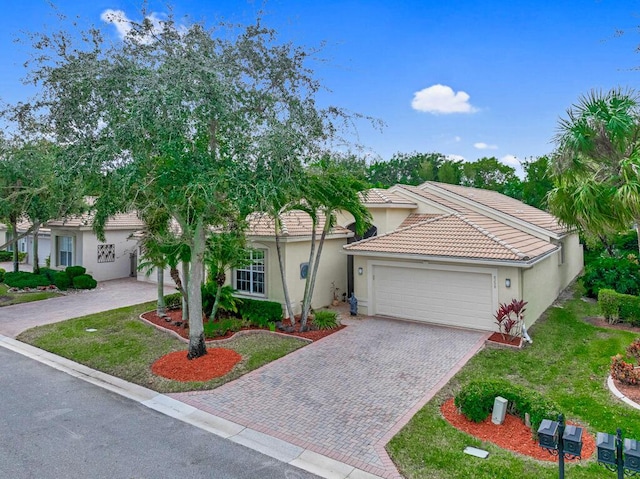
(106, 253)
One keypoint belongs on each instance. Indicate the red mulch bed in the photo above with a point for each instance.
(508, 340)
(176, 315)
(217, 362)
(512, 434)
(632, 392)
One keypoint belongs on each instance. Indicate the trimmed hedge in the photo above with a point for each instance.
(173, 301)
(2, 272)
(475, 400)
(619, 307)
(49, 273)
(259, 313)
(6, 255)
(73, 271)
(24, 279)
(61, 280)
(84, 281)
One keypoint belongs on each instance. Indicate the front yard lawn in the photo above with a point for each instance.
(125, 347)
(7, 298)
(568, 361)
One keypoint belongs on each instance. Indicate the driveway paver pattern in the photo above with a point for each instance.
(346, 395)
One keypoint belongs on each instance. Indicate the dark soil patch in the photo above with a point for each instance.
(505, 340)
(603, 323)
(632, 392)
(216, 363)
(513, 434)
(175, 316)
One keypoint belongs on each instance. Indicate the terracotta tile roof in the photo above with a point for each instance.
(415, 218)
(120, 221)
(505, 205)
(458, 236)
(378, 197)
(294, 223)
(428, 195)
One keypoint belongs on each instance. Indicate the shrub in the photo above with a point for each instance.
(510, 317)
(260, 313)
(214, 329)
(620, 274)
(326, 319)
(634, 349)
(624, 372)
(61, 280)
(48, 273)
(74, 271)
(23, 279)
(2, 272)
(228, 302)
(84, 281)
(475, 401)
(173, 301)
(6, 255)
(619, 307)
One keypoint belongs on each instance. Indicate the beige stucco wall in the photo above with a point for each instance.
(385, 219)
(333, 268)
(542, 284)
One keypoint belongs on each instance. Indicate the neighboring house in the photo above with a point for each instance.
(73, 242)
(449, 254)
(25, 244)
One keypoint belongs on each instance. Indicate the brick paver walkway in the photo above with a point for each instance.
(347, 395)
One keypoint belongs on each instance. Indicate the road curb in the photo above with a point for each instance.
(310, 461)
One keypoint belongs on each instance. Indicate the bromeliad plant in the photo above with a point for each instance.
(510, 317)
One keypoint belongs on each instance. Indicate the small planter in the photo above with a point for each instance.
(506, 340)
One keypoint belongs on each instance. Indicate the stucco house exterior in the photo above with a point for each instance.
(450, 254)
(73, 242)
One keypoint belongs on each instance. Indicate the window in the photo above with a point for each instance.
(106, 253)
(65, 250)
(250, 278)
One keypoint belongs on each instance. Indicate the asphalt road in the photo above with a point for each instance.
(54, 426)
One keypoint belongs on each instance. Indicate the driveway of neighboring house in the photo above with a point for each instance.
(108, 295)
(346, 395)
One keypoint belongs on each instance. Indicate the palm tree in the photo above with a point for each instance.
(329, 188)
(596, 166)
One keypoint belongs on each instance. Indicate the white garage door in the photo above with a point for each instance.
(456, 298)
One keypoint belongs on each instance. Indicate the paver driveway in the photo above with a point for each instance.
(108, 295)
(347, 395)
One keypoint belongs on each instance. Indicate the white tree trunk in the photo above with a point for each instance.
(283, 277)
(160, 305)
(197, 345)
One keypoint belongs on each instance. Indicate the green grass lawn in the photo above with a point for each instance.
(568, 362)
(7, 298)
(125, 347)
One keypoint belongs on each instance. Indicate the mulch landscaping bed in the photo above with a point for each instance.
(513, 434)
(216, 363)
(176, 315)
(513, 341)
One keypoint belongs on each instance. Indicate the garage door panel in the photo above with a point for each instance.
(441, 296)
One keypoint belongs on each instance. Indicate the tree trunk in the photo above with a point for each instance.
(160, 311)
(283, 277)
(36, 259)
(197, 346)
(313, 272)
(185, 297)
(14, 229)
(221, 278)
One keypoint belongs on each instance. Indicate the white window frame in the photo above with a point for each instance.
(251, 279)
(60, 251)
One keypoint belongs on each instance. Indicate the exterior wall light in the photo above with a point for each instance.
(561, 441)
(612, 455)
(507, 282)
(360, 271)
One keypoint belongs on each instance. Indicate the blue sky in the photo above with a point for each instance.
(463, 78)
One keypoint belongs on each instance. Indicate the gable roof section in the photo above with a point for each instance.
(119, 221)
(378, 197)
(295, 223)
(416, 218)
(437, 200)
(472, 237)
(502, 204)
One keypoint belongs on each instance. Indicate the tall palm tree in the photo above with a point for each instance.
(596, 166)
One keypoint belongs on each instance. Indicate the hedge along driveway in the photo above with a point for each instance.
(108, 295)
(568, 363)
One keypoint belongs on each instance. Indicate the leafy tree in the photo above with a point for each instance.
(491, 174)
(450, 171)
(596, 163)
(178, 117)
(405, 168)
(537, 182)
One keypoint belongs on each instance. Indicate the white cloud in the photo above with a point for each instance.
(484, 146)
(455, 157)
(510, 160)
(123, 24)
(441, 99)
